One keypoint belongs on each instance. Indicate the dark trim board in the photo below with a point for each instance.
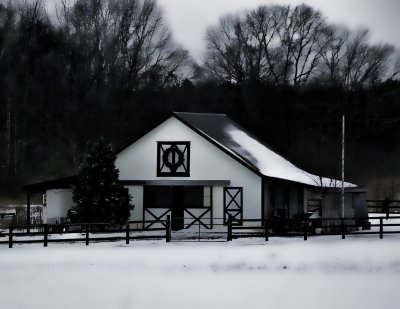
(60, 183)
(156, 218)
(173, 147)
(198, 219)
(173, 183)
(238, 210)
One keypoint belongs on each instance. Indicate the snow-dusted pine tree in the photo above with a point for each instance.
(98, 195)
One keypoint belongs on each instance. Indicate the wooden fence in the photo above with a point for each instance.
(307, 227)
(384, 206)
(91, 232)
(136, 230)
(374, 206)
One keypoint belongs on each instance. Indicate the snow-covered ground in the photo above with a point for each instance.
(361, 271)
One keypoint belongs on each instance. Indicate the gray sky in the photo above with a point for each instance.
(188, 19)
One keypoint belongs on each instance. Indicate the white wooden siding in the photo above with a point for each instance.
(207, 162)
(59, 201)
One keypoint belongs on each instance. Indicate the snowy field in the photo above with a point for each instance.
(323, 272)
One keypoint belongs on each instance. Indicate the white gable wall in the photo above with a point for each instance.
(137, 200)
(58, 201)
(207, 162)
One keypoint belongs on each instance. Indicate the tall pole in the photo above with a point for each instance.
(343, 132)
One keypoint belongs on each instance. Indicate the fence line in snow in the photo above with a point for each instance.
(307, 227)
(89, 231)
(135, 230)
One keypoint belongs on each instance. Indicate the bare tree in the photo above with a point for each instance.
(333, 51)
(7, 30)
(86, 24)
(126, 42)
(226, 50)
(265, 24)
(301, 43)
(272, 44)
(365, 64)
(395, 73)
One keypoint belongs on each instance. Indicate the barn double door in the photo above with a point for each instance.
(184, 204)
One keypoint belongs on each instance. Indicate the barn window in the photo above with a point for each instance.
(157, 196)
(168, 196)
(197, 196)
(173, 159)
(207, 196)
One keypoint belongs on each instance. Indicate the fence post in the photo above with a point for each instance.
(45, 228)
(387, 210)
(168, 229)
(87, 234)
(127, 234)
(305, 228)
(343, 230)
(10, 237)
(380, 228)
(229, 228)
(266, 230)
(199, 231)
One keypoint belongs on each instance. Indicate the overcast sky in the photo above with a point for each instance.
(188, 19)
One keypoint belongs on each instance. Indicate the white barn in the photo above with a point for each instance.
(199, 169)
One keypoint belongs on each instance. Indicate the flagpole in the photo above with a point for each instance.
(343, 132)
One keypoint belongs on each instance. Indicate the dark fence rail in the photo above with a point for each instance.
(384, 206)
(373, 206)
(307, 227)
(90, 232)
(135, 230)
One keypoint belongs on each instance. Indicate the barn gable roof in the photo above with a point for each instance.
(234, 140)
(249, 150)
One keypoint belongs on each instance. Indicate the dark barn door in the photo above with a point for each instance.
(177, 211)
(233, 204)
(195, 201)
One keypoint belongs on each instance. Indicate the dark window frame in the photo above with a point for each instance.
(165, 145)
(239, 212)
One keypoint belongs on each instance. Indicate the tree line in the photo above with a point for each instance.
(64, 76)
(111, 68)
(294, 45)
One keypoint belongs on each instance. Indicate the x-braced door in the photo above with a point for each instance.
(233, 204)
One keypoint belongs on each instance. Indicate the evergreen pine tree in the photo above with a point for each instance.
(98, 194)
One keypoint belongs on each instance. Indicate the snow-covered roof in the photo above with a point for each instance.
(251, 151)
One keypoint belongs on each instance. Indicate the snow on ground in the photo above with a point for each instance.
(361, 271)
